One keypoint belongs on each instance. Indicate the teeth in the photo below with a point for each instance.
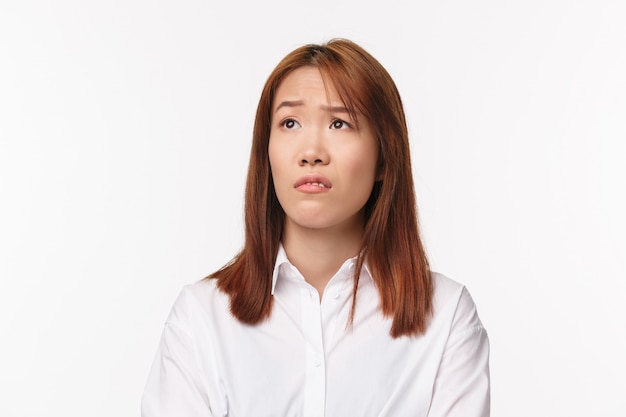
(317, 184)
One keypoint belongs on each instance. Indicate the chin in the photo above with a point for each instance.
(315, 224)
(310, 221)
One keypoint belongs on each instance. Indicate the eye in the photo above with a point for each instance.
(289, 124)
(339, 124)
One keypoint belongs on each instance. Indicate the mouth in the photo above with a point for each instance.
(313, 182)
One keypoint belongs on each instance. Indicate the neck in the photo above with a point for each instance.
(319, 253)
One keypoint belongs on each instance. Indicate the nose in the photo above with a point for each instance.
(313, 151)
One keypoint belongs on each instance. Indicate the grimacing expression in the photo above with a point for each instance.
(323, 165)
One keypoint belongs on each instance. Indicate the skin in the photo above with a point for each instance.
(313, 137)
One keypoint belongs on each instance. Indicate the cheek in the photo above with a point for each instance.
(364, 164)
(273, 158)
(276, 157)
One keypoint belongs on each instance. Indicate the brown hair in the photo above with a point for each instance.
(391, 242)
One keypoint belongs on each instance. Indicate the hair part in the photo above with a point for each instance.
(391, 242)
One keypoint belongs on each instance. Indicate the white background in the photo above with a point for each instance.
(125, 128)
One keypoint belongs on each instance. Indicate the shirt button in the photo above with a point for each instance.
(336, 296)
(317, 364)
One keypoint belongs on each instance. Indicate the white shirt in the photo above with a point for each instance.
(304, 361)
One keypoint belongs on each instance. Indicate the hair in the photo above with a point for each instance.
(391, 243)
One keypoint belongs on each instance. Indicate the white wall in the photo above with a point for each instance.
(124, 136)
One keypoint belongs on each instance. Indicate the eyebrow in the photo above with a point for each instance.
(336, 109)
(296, 103)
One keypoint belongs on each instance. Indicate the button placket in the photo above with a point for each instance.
(333, 307)
(315, 379)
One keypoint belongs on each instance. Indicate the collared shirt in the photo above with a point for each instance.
(305, 361)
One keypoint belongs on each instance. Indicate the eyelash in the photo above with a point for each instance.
(284, 123)
(333, 124)
(345, 124)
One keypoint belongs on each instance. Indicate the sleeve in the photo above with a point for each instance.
(462, 386)
(175, 385)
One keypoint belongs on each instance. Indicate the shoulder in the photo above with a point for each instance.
(199, 300)
(453, 304)
(447, 290)
(203, 289)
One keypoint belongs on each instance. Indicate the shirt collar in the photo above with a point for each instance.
(281, 258)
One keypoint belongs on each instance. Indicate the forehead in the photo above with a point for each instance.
(303, 83)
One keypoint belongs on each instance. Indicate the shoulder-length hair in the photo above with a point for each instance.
(391, 242)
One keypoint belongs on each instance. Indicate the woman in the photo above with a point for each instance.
(330, 309)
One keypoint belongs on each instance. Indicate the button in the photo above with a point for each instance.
(317, 363)
(336, 296)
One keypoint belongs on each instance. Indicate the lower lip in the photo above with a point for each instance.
(312, 189)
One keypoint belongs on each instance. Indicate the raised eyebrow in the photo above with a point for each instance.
(353, 118)
(296, 103)
(335, 109)
(288, 103)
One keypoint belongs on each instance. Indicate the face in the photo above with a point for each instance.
(323, 166)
